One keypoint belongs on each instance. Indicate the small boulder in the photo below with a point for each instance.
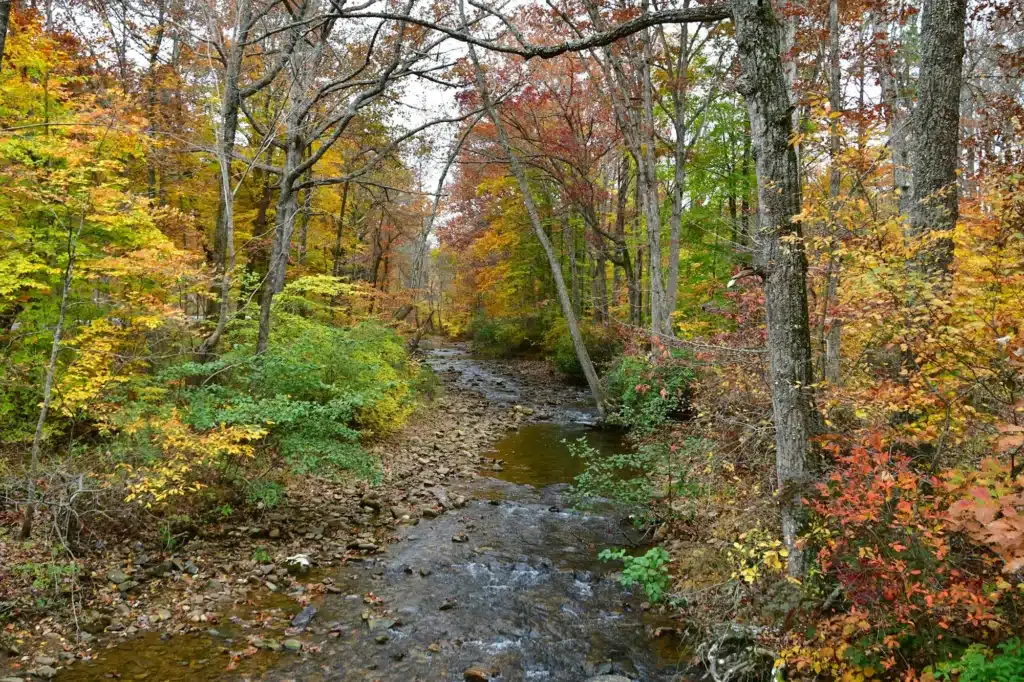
(476, 673)
(117, 576)
(303, 617)
(298, 565)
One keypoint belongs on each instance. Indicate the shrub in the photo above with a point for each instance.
(912, 590)
(601, 343)
(649, 571)
(980, 664)
(626, 477)
(646, 393)
(313, 397)
(506, 337)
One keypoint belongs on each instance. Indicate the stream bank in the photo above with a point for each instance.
(444, 572)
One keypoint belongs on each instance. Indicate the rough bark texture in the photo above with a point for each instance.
(780, 257)
(937, 130)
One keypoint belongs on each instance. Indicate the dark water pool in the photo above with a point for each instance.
(538, 454)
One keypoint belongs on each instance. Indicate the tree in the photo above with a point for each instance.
(524, 188)
(936, 121)
(779, 257)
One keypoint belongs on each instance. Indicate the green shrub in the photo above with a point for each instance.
(649, 571)
(625, 478)
(980, 664)
(507, 337)
(601, 343)
(645, 394)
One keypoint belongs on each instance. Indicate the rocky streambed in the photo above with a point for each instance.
(445, 572)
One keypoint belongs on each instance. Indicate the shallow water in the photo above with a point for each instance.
(538, 454)
(521, 594)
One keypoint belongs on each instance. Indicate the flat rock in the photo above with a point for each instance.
(303, 617)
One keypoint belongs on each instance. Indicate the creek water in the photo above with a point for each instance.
(510, 584)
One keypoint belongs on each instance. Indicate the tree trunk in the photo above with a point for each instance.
(5, 23)
(151, 101)
(336, 270)
(935, 202)
(780, 258)
(831, 359)
(224, 232)
(531, 208)
(661, 319)
(893, 88)
(37, 438)
(287, 208)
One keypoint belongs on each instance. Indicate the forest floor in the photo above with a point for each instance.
(227, 597)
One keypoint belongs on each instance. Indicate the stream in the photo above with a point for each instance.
(506, 588)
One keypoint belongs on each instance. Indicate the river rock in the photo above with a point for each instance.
(95, 623)
(298, 564)
(293, 645)
(609, 678)
(476, 673)
(117, 576)
(46, 672)
(303, 617)
(460, 537)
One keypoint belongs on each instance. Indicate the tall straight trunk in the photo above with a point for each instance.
(531, 209)
(151, 100)
(287, 208)
(832, 338)
(780, 257)
(336, 270)
(661, 319)
(935, 202)
(569, 237)
(679, 124)
(745, 212)
(37, 438)
(893, 82)
(600, 289)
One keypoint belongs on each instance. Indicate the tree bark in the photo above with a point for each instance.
(287, 208)
(780, 257)
(832, 337)
(5, 23)
(336, 270)
(936, 118)
(224, 232)
(531, 208)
